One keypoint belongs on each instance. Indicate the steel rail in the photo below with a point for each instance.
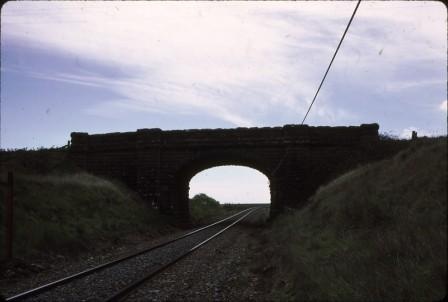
(124, 292)
(46, 287)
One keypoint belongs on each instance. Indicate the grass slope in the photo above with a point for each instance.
(60, 209)
(67, 212)
(378, 233)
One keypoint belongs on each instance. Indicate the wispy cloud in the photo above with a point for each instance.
(410, 84)
(231, 60)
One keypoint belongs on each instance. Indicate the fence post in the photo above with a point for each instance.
(9, 210)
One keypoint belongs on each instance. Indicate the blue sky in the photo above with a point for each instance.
(118, 66)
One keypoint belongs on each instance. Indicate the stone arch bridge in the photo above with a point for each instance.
(296, 159)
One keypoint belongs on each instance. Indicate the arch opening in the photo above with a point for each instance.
(220, 190)
(230, 184)
(221, 180)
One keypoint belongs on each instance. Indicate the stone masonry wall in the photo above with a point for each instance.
(159, 164)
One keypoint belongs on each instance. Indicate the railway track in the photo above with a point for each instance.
(114, 280)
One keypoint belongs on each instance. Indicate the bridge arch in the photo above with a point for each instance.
(211, 160)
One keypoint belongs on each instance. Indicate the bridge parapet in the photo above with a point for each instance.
(277, 136)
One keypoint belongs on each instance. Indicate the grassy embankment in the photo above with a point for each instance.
(204, 209)
(60, 209)
(377, 233)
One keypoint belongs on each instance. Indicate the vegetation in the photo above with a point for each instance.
(59, 209)
(67, 212)
(37, 161)
(204, 209)
(378, 233)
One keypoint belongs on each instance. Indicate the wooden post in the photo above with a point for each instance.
(9, 210)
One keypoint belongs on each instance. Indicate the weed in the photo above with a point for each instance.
(377, 233)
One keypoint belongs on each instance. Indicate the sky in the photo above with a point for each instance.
(109, 66)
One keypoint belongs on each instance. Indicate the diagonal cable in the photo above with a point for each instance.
(331, 62)
(317, 92)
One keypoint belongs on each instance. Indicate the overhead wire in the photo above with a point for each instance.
(332, 59)
(323, 79)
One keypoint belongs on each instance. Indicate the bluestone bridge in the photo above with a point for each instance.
(296, 159)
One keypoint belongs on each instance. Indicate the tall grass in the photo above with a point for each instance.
(378, 233)
(67, 212)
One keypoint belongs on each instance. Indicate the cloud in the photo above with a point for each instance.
(65, 78)
(235, 61)
(410, 84)
(443, 106)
